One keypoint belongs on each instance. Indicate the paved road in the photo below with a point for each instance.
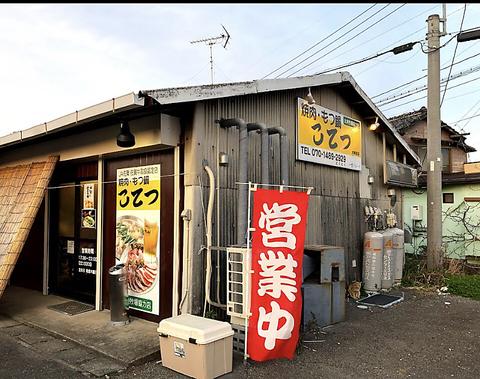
(30, 352)
(426, 336)
(20, 361)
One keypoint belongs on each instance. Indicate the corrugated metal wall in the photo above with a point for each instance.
(336, 210)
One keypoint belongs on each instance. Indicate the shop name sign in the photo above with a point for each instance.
(279, 221)
(138, 234)
(327, 137)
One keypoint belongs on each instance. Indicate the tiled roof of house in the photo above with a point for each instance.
(404, 121)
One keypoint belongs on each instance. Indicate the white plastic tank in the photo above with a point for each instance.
(398, 252)
(388, 274)
(372, 261)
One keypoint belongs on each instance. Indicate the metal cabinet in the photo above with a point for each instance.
(323, 286)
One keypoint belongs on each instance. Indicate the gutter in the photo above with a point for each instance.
(106, 108)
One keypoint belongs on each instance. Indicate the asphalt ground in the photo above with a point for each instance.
(425, 336)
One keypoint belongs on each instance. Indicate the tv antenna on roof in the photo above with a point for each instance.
(213, 41)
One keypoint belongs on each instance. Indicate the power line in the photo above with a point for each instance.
(405, 37)
(423, 97)
(454, 53)
(330, 44)
(390, 30)
(318, 43)
(349, 40)
(466, 113)
(413, 91)
(422, 77)
(410, 45)
(467, 118)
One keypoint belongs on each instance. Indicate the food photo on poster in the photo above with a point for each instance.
(88, 218)
(137, 234)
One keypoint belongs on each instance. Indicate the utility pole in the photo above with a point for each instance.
(434, 149)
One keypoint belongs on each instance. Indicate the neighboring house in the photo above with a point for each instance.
(460, 187)
(412, 127)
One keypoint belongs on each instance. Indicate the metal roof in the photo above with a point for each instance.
(207, 92)
(199, 93)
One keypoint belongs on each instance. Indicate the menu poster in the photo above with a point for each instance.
(89, 218)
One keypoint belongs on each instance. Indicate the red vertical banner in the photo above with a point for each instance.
(279, 220)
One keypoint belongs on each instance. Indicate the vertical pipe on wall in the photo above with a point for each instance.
(262, 129)
(176, 231)
(384, 159)
(46, 243)
(98, 292)
(242, 175)
(283, 152)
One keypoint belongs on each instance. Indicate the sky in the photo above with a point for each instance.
(58, 58)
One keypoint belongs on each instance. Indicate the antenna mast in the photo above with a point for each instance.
(213, 41)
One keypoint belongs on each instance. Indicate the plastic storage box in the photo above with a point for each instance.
(196, 346)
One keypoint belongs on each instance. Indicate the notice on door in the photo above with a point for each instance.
(137, 234)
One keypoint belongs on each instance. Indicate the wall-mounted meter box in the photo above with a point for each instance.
(417, 212)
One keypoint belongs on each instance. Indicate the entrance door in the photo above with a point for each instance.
(150, 294)
(73, 234)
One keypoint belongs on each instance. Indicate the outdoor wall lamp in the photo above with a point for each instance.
(310, 98)
(375, 125)
(125, 138)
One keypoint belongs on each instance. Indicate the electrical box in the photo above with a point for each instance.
(417, 212)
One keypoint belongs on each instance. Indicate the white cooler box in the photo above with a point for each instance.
(196, 346)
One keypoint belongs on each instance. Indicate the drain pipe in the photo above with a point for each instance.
(208, 278)
(242, 175)
(262, 129)
(283, 152)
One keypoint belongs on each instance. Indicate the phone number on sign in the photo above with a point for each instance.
(342, 158)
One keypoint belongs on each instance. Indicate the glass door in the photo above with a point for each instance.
(73, 240)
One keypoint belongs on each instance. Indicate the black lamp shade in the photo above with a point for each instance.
(125, 138)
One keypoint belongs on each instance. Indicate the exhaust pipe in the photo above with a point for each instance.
(242, 175)
(263, 130)
(283, 152)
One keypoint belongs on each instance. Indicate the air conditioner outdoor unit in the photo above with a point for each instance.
(401, 175)
(238, 295)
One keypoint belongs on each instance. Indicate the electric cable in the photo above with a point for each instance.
(364, 59)
(318, 43)
(381, 35)
(413, 91)
(423, 97)
(453, 58)
(349, 40)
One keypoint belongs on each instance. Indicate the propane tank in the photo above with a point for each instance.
(388, 260)
(372, 261)
(398, 253)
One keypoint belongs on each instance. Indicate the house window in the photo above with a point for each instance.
(445, 159)
(448, 198)
(422, 154)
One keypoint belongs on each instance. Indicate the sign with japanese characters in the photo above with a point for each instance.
(89, 195)
(279, 221)
(137, 234)
(327, 137)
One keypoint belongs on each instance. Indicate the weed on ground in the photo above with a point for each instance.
(464, 285)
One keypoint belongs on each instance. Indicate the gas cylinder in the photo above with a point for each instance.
(398, 253)
(372, 261)
(388, 260)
